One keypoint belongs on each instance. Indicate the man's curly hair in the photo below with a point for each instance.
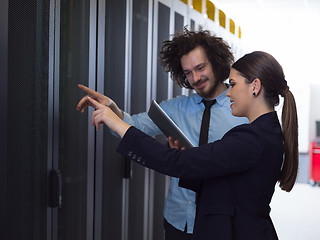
(216, 49)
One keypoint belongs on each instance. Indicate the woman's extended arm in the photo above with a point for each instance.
(239, 150)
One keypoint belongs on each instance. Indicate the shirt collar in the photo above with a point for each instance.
(221, 99)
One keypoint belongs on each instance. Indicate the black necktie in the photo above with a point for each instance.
(203, 139)
(195, 184)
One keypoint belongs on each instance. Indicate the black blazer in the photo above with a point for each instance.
(239, 174)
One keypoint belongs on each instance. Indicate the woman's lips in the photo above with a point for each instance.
(232, 102)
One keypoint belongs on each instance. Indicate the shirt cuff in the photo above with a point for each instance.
(127, 118)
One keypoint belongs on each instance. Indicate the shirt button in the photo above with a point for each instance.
(190, 202)
(134, 156)
(139, 159)
(130, 154)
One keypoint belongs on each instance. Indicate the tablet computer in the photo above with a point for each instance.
(167, 125)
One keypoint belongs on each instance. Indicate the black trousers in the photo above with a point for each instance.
(171, 233)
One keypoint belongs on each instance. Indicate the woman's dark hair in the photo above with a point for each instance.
(217, 52)
(265, 67)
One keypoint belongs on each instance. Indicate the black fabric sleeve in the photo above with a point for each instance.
(239, 150)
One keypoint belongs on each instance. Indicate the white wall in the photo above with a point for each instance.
(293, 39)
(315, 108)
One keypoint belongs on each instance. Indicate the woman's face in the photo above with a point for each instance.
(240, 94)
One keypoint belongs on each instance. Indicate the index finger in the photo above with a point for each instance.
(86, 89)
(95, 104)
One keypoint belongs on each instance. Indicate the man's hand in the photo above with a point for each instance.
(175, 144)
(84, 102)
(98, 97)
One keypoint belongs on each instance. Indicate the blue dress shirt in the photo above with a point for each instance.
(186, 112)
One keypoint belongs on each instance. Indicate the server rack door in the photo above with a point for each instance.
(111, 81)
(72, 142)
(24, 139)
(161, 82)
(139, 181)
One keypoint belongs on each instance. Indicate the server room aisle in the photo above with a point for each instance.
(296, 214)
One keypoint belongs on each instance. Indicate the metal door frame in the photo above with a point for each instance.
(4, 11)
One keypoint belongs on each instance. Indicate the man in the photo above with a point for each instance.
(199, 61)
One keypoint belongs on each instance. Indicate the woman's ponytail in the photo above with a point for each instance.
(290, 134)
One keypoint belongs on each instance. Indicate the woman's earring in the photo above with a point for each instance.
(254, 94)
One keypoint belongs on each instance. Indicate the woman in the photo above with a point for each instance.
(239, 171)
